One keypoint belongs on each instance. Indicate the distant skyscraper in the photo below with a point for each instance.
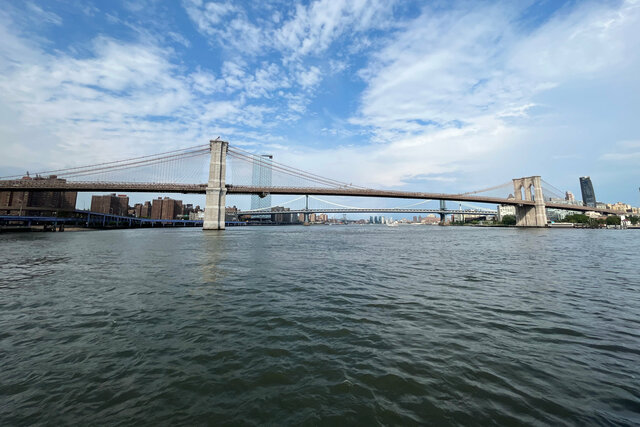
(568, 196)
(588, 195)
(261, 177)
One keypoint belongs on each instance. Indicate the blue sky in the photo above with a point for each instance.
(434, 96)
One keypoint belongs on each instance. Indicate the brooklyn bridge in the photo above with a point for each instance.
(177, 171)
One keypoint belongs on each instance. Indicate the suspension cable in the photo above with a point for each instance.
(484, 189)
(128, 166)
(307, 175)
(112, 162)
(278, 168)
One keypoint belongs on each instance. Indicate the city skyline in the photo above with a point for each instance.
(339, 88)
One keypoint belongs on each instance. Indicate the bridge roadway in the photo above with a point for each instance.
(52, 185)
(372, 210)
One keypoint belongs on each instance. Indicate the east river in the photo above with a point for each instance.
(320, 325)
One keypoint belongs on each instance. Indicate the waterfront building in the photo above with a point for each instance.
(110, 204)
(145, 211)
(569, 197)
(430, 219)
(37, 202)
(166, 208)
(588, 195)
(230, 213)
(141, 210)
(196, 215)
(557, 215)
(619, 206)
(280, 215)
(505, 210)
(156, 208)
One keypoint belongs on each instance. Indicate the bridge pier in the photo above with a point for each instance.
(443, 215)
(214, 211)
(306, 208)
(527, 215)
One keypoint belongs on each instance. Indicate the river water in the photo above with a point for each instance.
(320, 325)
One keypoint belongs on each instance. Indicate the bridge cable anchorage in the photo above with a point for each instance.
(243, 154)
(62, 171)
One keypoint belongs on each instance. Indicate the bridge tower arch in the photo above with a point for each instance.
(527, 215)
(214, 212)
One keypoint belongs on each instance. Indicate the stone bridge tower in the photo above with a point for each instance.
(527, 215)
(214, 211)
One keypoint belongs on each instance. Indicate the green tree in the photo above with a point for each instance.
(509, 220)
(634, 219)
(613, 220)
(577, 219)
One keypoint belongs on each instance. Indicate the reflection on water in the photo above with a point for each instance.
(320, 325)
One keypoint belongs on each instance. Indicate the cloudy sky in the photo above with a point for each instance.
(427, 95)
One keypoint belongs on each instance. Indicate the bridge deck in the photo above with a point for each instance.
(372, 210)
(50, 185)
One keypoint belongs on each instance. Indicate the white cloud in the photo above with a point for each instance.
(396, 163)
(225, 24)
(474, 71)
(309, 78)
(206, 82)
(286, 79)
(590, 38)
(121, 99)
(314, 28)
(311, 30)
(44, 16)
(623, 151)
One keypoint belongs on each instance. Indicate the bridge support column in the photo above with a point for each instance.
(443, 215)
(306, 208)
(216, 187)
(527, 215)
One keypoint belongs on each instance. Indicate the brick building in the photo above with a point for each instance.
(166, 208)
(110, 204)
(142, 210)
(37, 202)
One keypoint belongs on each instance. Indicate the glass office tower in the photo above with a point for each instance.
(588, 195)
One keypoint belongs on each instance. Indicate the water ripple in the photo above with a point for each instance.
(320, 325)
